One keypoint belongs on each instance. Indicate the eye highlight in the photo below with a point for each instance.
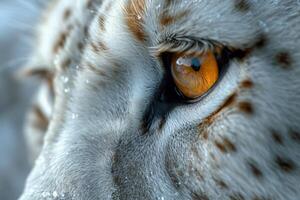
(194, 74)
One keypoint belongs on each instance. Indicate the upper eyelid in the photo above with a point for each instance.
(184, 44)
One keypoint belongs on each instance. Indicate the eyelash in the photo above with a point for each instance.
(185, 44)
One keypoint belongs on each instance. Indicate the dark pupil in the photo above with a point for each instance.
(196, 65)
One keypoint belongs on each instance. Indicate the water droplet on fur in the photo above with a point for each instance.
(45, 194)
(55, 194)
(67, 90)
(65, 79)
(74, 116)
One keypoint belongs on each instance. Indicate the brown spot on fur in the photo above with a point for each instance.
(167, 19)
(255, 170)
(242, 5)
(225, 146)
(100, 46)
(295, 136)
(236, 196)
(285, 164)
(284, 59)
(94, 69)
(67, 14)
(204, 135)
(80, 46)
(45, 74)
(247, 84)
(229, 145)
(246, 107)
(210, 119)
(220, 146)
(196, 196)
(227, 103)
(261, 41)
(277, 137)
(60, 43)
(221, 183)
(41, 119)
(65, 64)
(134, 18)
(101, 21)
(42, 73)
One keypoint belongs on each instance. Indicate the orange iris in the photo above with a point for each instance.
(194, 75)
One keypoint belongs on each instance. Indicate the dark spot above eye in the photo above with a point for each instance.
(242, 5)
(283, 59)
(255, 170)
(246, 107)
(285, 164)
(277, 137)
(247, 84)
(261, 41)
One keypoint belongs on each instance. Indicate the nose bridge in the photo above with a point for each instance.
(135, 165)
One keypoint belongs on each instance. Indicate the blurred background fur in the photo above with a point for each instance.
(18, 19)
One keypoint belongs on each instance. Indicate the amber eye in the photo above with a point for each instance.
(194, 75)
